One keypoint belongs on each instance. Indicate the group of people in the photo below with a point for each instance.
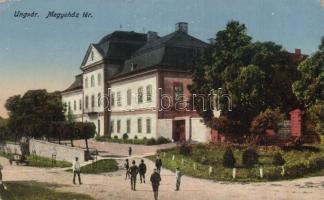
(155, 179)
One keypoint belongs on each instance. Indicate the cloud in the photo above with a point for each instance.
(322, 4)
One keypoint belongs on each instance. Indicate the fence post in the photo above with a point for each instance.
(234, 173)
(173, 157)
(261, 172)
(195, 166)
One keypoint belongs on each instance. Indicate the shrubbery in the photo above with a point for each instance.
(278, 160)
(151, 141)
(228, 158)
(162, 140)
(250, 157)
(185, 149)
(125, 136)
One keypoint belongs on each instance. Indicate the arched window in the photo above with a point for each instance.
(149, 93)
(92, 81)
(86, 82)
(140, 95)
(99, 79)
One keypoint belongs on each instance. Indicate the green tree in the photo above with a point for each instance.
(256, 75)
(31, 114)
(85, 131)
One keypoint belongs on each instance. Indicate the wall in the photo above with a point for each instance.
(12, 148)
(164, 128)
(199, 131)
(47, 149)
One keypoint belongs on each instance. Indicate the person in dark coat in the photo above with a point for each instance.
(158, 164)
(130, 151)
(155, 180)
(126, 165)
(133, 171)
(142, 171)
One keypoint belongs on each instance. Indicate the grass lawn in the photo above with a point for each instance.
(37, 161)
(36, 191)
(302, 162)
(101, 166)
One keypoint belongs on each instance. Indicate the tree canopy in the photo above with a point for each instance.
(256, 76)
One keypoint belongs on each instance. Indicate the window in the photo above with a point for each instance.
(129, 97)
(92, 55)
(112, 126)
(128, 125)
(149, 93)
(92, 101)
(140, 95)
(99, 79)
(139, 125)
(74, 105)
(92, 81)
(112, 98)
(178, 91)
(80, 104)
(118, 126)
(148, 125)
(99, 99)
(119, 98)
(86, 82)
(86, 102)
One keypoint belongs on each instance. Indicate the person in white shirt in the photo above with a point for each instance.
(178, 178)
(76, 170)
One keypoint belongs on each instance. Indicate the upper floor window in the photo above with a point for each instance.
(140, 95)
(178, 91)
(119, 99)
(92, 101)
(129, 97)
(86, 82)
(112, 99)
(74, 105)
(148, 125)
(86, 102)
(99, 99)
(139, 125)
(92, 81)
(149, 93)
(99, 79)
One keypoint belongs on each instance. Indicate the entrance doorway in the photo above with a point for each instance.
(179, 131)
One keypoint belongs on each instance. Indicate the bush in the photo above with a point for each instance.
(135, 137)
(250, 157)
(185, 149)
(269, 119)
(151, 141)
(278, 160)
(162, 140)
(125, 136)
(116, 137)
(228, 158)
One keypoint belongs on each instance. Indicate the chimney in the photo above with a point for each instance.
(298, 56)
(182, 26)
(212, 41)
(151, 35)
(297, 51)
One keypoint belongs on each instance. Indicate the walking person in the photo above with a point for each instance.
(155, 180)
(178, 178)
(126, 165)
(133, 170)
(158, 164)
(76, 168)
(142, 171)
(130, 151)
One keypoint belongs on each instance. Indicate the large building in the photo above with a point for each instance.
(137, 84)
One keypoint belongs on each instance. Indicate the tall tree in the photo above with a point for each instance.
(256, 76)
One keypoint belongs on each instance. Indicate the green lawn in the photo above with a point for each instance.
(36, 191)
(302, 162)
(37, 161)
(101, 166)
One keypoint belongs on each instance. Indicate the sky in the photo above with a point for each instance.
(46, 53)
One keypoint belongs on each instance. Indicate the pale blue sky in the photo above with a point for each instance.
(46, 53)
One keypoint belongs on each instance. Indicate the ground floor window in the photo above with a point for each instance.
(118, 126)
(112, 126)
(148, 125)
(128, 126)
(139, 125)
